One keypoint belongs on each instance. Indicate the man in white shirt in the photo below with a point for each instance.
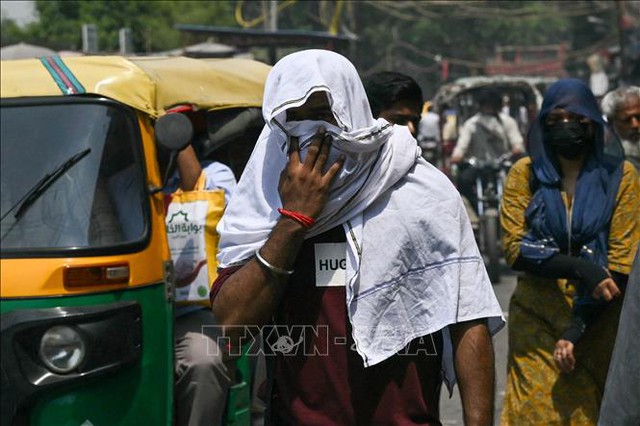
(429, 135)
(488, 135)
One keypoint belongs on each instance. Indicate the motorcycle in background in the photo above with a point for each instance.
(490, 175)
(431, 151)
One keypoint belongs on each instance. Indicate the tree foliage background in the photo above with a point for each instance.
(415, 37)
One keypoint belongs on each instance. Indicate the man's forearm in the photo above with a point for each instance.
(189, 168)
(250, 296)
(474, 363)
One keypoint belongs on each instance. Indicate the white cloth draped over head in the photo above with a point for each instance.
(412, 263)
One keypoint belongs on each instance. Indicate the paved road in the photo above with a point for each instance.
(451, 409)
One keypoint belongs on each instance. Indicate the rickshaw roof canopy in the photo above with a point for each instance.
(449, 91)
(148, 84)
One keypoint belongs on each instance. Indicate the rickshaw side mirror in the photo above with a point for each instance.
(173, 131)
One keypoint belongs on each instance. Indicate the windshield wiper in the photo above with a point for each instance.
(44, 183)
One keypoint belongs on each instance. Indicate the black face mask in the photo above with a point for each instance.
(568, 139)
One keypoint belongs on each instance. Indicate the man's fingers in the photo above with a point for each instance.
(334, 169)
(323, 155)
(294, 151)
(314, 148)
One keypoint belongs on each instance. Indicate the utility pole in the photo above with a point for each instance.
(271, 25)
(124, 41)
(273, 15)
(89, 38)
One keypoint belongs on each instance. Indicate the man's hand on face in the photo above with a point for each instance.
(303, 186)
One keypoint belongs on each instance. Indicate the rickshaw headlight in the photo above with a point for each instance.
(62, 349)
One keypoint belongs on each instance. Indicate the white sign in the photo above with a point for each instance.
(330, 264)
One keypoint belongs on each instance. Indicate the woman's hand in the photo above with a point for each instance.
(563, 356)
(303, 187)
(607, 289)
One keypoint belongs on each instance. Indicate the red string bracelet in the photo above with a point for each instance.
(303, 220)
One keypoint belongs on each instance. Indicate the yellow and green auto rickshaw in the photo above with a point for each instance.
(86, 274)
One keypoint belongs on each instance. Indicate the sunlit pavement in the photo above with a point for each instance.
(451, 409)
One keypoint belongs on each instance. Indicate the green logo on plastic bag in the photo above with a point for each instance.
(202, 291)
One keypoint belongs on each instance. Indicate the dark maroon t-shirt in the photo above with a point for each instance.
(320, 379)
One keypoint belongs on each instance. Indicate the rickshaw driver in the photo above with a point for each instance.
(489, 134)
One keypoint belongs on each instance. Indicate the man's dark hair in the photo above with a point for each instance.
(388, 87)
(489, 96)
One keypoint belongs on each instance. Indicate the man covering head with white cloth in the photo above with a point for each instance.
(360, 258)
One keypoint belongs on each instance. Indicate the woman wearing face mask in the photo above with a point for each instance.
(570, 221)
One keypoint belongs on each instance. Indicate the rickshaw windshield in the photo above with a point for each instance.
(72, 178)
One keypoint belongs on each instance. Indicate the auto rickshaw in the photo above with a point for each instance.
(86, 274)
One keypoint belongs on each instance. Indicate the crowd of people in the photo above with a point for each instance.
(341, 237)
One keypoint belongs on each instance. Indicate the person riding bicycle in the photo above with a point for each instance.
(488, 135)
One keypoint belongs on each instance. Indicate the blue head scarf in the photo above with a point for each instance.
(596, 188)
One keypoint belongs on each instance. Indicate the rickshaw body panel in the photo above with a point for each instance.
(45, 275)
(139, 393)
